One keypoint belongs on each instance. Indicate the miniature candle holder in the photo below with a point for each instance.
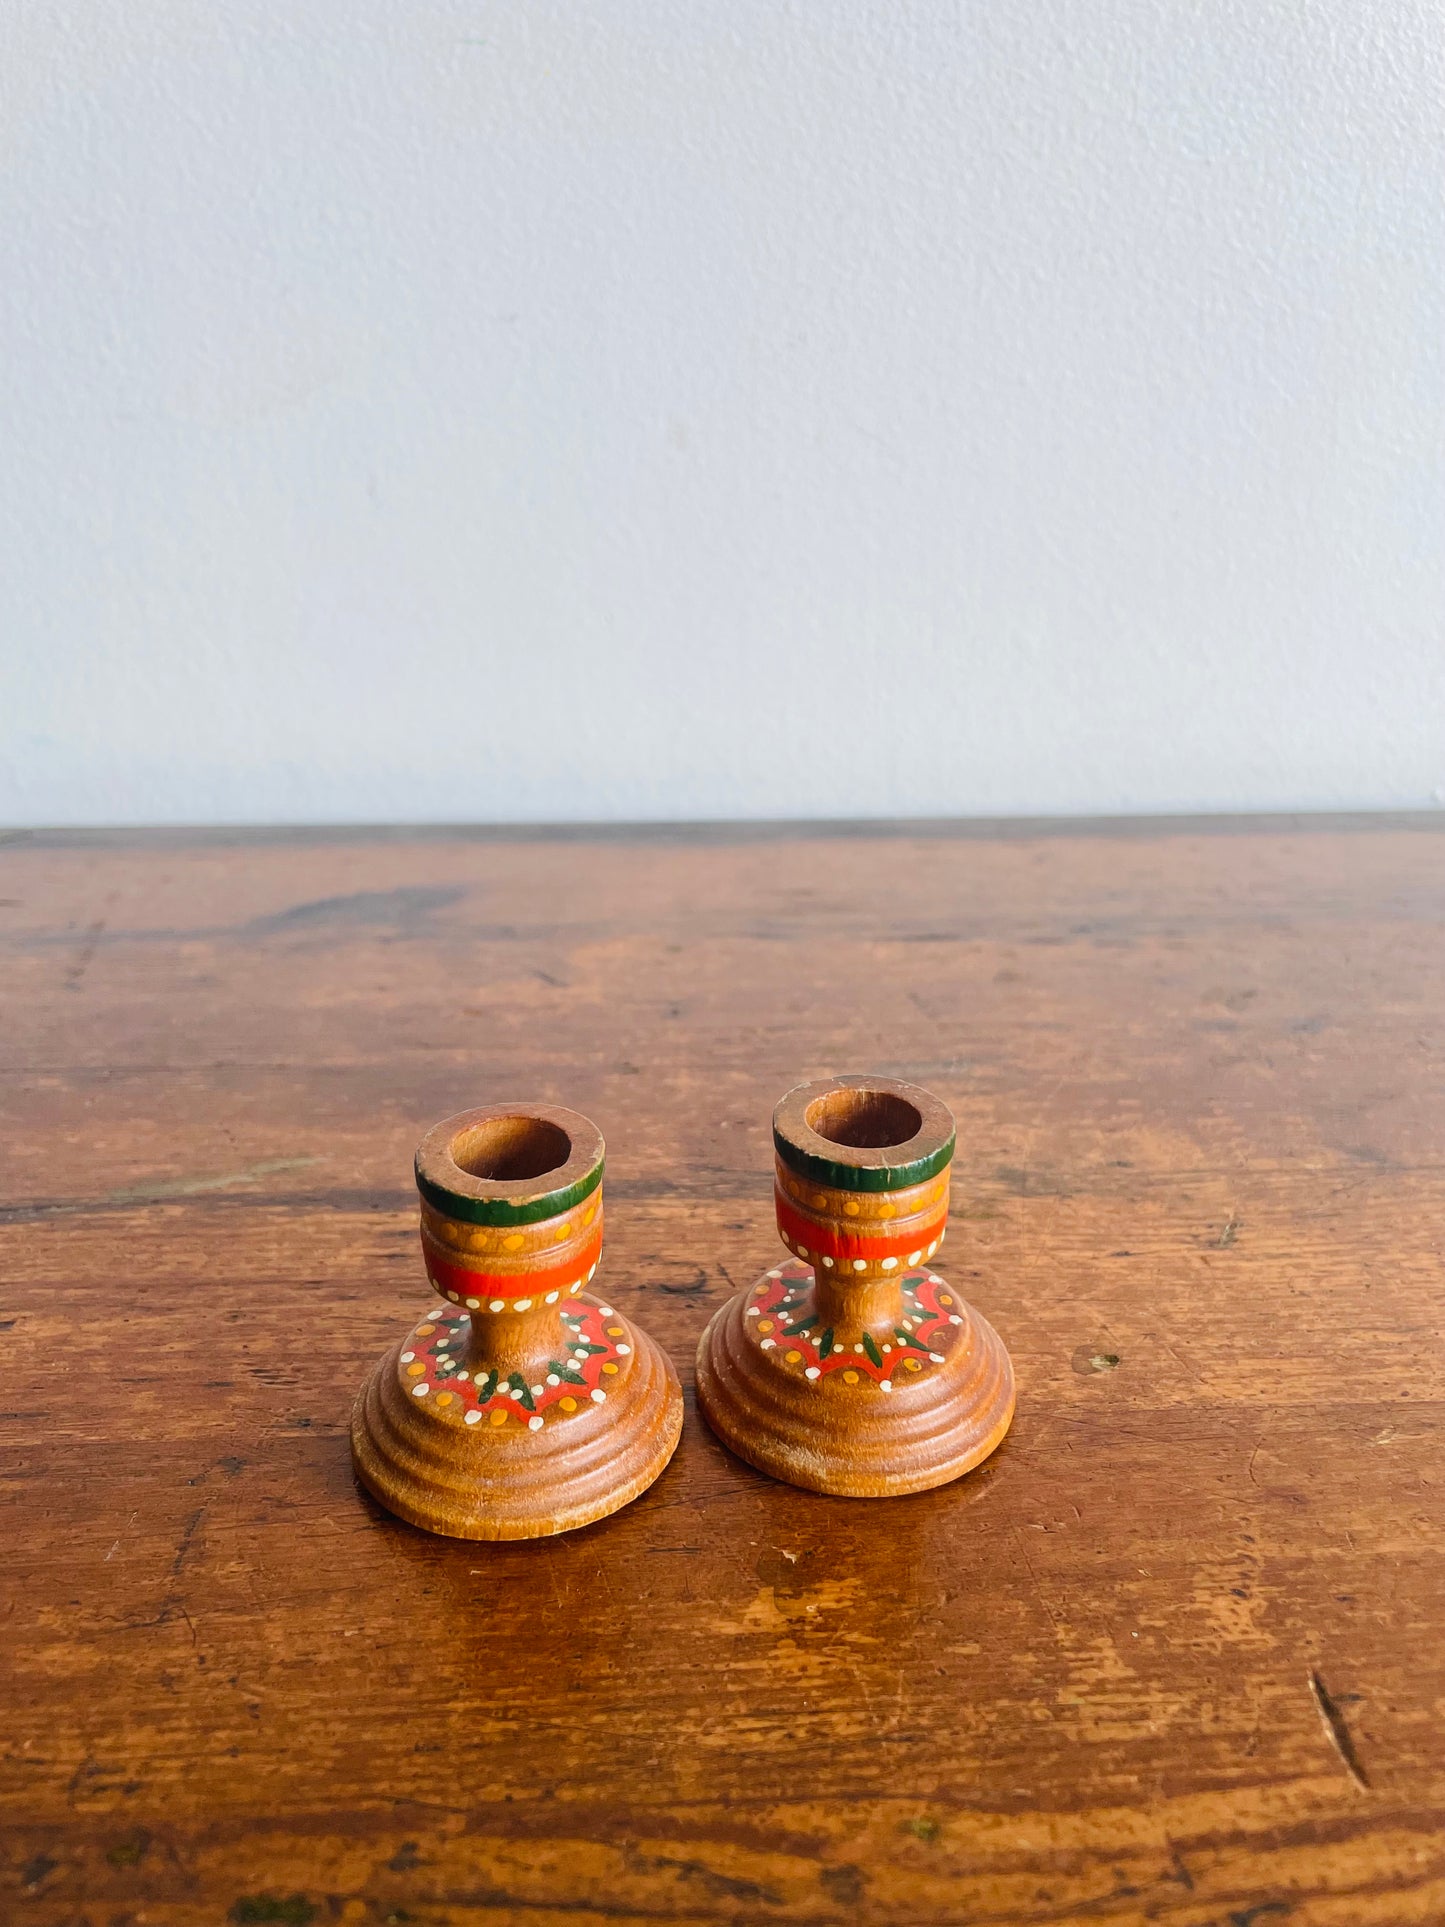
(521, 1407)
(855, 1368)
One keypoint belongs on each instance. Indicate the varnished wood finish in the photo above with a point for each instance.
(855, 1369)
(1171, 1656)
(426, 1466)
(518, 1407)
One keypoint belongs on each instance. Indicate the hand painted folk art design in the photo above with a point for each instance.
(856, 1369)
(520, 1408)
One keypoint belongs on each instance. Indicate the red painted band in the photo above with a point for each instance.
(854, 1244)
(468, 1285)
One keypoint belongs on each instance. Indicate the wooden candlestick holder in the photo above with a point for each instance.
(855, 1369)
(521, 1408)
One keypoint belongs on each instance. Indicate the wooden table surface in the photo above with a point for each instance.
(1176, 1655)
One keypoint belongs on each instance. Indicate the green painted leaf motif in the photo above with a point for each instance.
(907, 1338)
(565, 1373)
(523, 1391)
(871, 1349)
(583, 1346)
(795, 1331)
(825, 1343)
(487, 1390)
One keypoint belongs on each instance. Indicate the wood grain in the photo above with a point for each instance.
(1172, 1655)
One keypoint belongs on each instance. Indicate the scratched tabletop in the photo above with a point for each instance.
(1175, 1655)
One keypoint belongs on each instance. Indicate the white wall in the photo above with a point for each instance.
(632, 408)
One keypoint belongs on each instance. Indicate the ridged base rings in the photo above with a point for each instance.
(858, 1415)
(434, 1468)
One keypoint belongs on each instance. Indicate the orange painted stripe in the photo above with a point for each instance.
(482, 1285)
(851, 1244)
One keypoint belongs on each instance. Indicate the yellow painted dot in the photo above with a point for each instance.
(514, 1243)
(944, 1299)
(886, 1210)
(498, 1417)
(852, 1208)
(765, 1325)
(415, 1371)
(568, 1404)
(850, 1378)
(563, 1231)
(616, 1331)
(910, 1365)
(793, 1358)
(820, 1200)
(425, 1331)
(444, 1398)
(589, 1214)
(611, 1370)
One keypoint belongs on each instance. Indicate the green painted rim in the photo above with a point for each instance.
(853, 1177)
(503, 1211)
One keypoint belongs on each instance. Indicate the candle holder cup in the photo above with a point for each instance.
(854, 1368)
(521, 1407)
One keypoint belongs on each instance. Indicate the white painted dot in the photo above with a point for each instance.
(954, 1319)
(407, 1357)
(473, 1418)
(576, 1288)
(857, 1348)
(827, 1264)
(751, 1312)
(599, 1397)
(933, 1247)
(768, 1344)
(420, 1391)
(552, 1379)
(776, 1274)
(888, 1348)
(535, 1424)
(914, 1256)
(454, 1297)
(463, 1376)
(552, 1297)
(607, 1311)
(537, 1391)
(860, 1264)
(890, 1264)
(591, 1274)
(885, 1384)
(624, 1351)
(474, 1304)
(496, 1304)
(802, 1251)
(811, 1372)
(908, 1324)
(522, 1304)
(514, 1391)
(937, 1357)
(934, 1279)
(581, 1352)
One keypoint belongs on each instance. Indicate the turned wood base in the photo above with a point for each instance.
(850, 1411)
(556, 1457)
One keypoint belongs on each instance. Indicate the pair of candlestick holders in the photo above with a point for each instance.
(527, 1405)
